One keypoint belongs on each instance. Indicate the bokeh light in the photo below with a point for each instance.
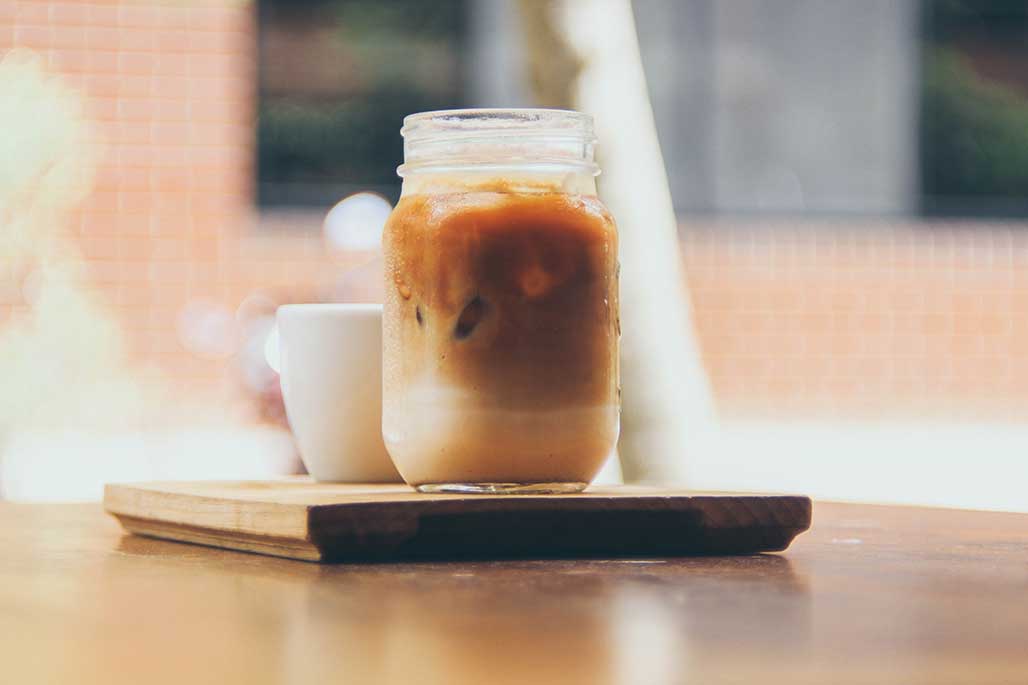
(207, 329)
(356, 222)
(272, 350)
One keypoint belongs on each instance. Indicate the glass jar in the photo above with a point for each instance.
(500, 323)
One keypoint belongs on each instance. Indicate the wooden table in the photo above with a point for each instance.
(870, 594)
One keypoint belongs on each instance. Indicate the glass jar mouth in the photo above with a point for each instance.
(484, 138)
(459, 123)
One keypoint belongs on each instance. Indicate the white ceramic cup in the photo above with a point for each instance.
(331, 373)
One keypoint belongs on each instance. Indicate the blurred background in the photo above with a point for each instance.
(850, 182)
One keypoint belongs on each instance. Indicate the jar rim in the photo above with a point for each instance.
(458, 123)
(484, 139)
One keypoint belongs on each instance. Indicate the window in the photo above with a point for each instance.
(335, 79)
(974, 107)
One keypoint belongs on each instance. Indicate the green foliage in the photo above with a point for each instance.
(974, 134)
(432, 19)
(997, 20)
(352, 141)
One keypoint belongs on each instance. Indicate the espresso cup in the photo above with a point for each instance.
(331, 374)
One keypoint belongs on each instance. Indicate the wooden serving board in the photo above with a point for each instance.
(300, 519)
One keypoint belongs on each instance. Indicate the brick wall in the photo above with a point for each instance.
(168, 89)
(863, 318)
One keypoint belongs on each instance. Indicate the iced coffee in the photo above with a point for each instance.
(500, 326)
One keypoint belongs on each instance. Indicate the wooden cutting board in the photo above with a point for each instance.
(300, 519)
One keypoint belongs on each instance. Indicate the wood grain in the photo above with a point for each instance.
(869, 595)
(300, 519)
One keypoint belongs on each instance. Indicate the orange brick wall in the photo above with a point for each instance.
(168, 89)
(863, 318)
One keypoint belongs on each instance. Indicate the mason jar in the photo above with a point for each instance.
(500, 322)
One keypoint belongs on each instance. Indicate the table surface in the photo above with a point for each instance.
(869, 594)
